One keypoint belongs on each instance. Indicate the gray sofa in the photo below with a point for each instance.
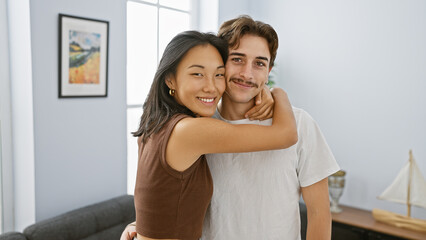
(102, 221)
(13, 236)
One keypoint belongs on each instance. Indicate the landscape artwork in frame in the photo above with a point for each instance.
(83, 57)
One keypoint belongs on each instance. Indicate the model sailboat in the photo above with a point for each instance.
(408, 188)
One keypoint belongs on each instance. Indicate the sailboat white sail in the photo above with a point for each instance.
(408, 188)
(398, 190)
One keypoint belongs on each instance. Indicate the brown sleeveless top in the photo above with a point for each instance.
(170, 203)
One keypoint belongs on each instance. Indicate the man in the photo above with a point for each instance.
(256, 195)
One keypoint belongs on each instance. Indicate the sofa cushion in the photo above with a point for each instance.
(110, 233)
(104, 220)
(12, 236)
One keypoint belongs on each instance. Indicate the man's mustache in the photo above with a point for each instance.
(250, 83)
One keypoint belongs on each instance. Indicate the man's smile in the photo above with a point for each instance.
(244, 84)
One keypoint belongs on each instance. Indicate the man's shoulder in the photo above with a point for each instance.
(306, 125)
(301, 115)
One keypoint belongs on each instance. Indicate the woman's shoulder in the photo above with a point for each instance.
(177, 117)
(177, 120)
(200, 126)
(191, 121)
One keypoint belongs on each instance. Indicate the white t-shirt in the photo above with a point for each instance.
(256, 195)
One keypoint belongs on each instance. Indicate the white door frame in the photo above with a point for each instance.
(6, 170)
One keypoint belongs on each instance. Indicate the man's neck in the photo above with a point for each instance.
(230, 110)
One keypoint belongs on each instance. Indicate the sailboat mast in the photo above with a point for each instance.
(409, 185)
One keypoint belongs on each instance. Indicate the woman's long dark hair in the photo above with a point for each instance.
(159, 106)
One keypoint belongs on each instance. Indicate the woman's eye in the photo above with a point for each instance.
(197, 74)
(220, 75)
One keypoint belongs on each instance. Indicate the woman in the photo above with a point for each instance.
(173, 185)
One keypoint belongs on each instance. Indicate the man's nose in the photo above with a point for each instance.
(247, 72)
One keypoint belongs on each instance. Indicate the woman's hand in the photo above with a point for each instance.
(264, 106)
(129, 232)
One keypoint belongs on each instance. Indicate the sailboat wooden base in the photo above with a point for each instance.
(398, 220)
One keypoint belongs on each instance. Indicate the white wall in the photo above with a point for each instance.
(358, 68)
(80, 144)
(231, 9)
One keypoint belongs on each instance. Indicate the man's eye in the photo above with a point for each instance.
(220, 75)
(261, 64)
(236, 59)
(197, 74)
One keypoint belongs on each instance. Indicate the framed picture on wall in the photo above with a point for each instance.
(83, 57)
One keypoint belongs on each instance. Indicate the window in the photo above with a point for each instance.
(151, 24)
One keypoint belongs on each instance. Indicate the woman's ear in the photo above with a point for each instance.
(171, 81)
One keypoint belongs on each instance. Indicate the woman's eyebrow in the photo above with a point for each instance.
(196, 65)
(201, 66)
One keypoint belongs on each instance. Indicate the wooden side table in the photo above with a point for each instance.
(354, 223)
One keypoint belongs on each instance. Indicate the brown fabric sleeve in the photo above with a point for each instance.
(163, 145)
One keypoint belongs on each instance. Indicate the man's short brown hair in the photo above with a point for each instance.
(233, 30)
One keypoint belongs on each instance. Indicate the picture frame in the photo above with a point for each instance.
(83, 57)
